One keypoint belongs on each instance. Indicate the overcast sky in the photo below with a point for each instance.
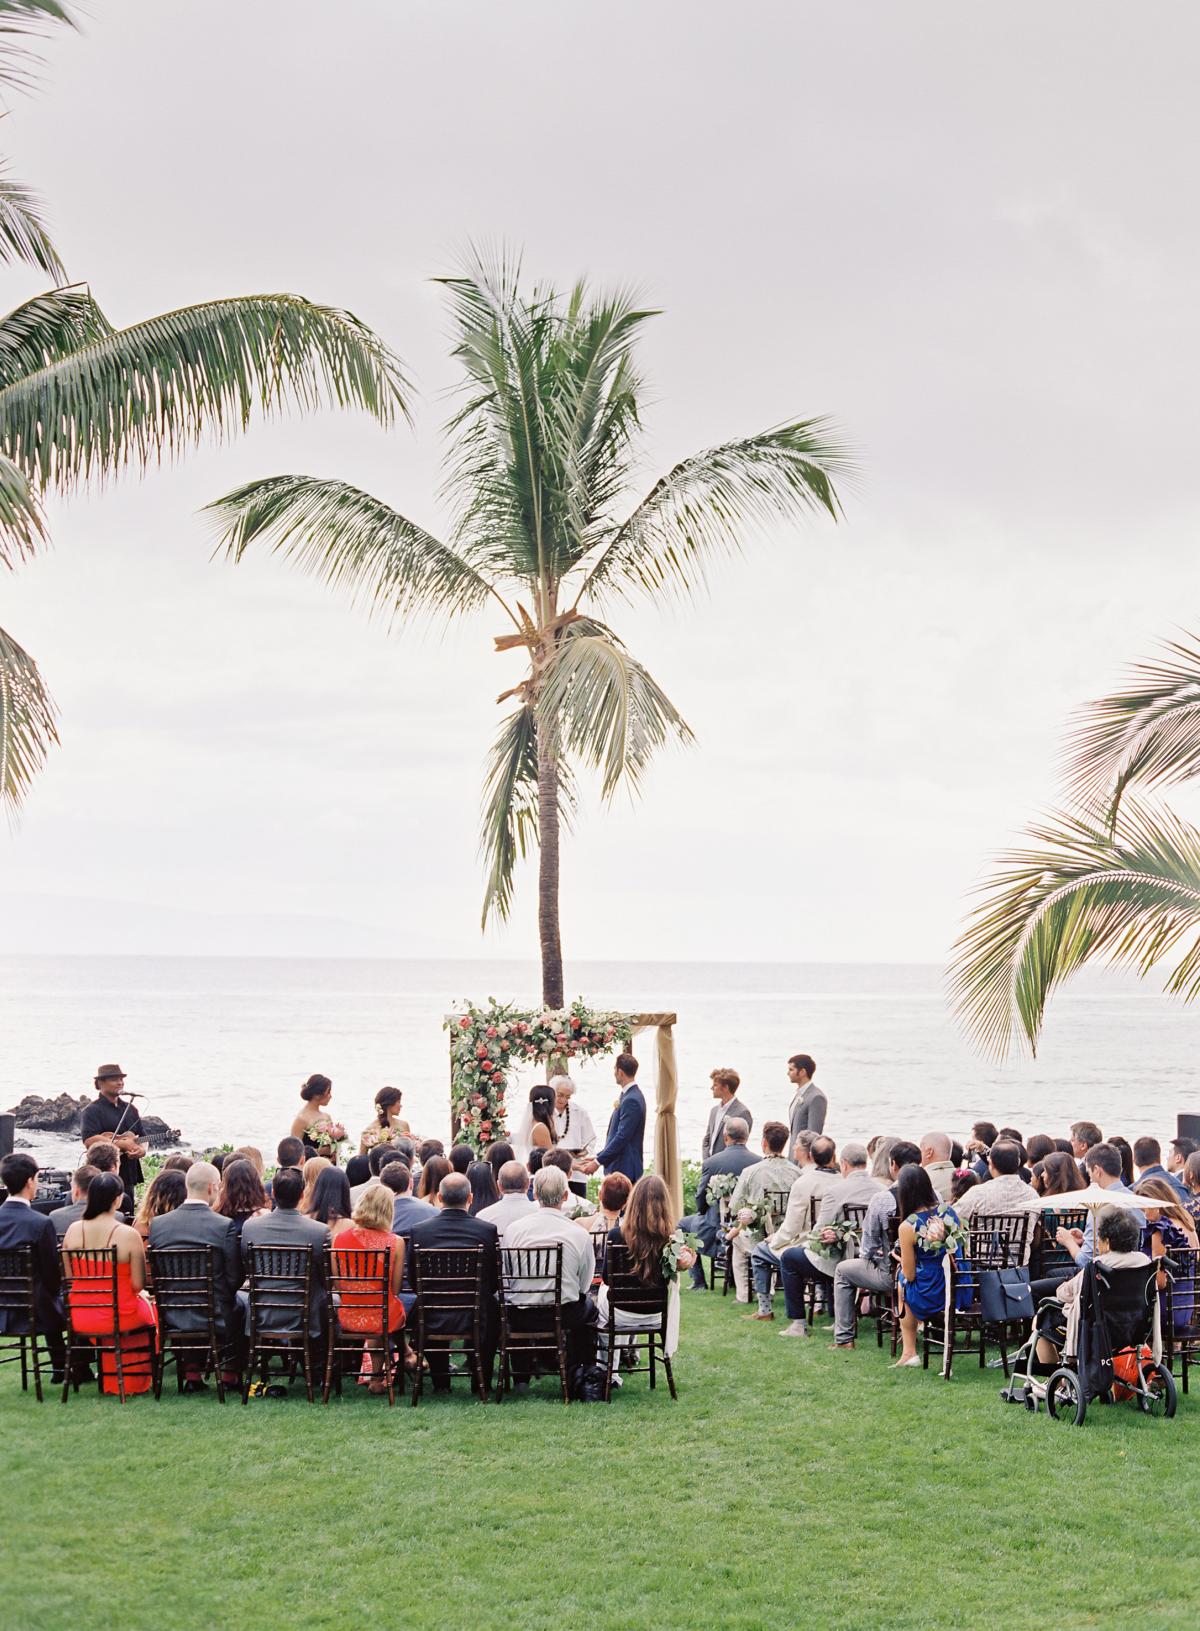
(968, 233)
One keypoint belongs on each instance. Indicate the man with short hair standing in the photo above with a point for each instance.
(622, 1150)
(725, 1084)
(809, 1106)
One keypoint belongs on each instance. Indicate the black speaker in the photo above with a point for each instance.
(1188, 1126)
(8, 1131)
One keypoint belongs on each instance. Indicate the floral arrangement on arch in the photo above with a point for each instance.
(487, 1043)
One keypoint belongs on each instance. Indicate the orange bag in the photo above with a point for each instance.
(1125, 1371)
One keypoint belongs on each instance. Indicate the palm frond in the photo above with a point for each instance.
(600, 705)
(21, 21)
(349, 540)
(509, 827)
(1146, 732)
(22, 528)
(27, 722)
(706, 503)
(24, 235)
(1085, 891)
(139, 393)
(46, 328)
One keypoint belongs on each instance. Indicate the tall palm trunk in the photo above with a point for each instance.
(548, 930)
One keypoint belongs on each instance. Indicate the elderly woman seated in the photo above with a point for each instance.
(1118, 1238)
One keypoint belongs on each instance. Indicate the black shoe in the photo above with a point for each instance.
(195, 1385)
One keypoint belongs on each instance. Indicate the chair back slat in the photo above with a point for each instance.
(90, 1281)
(998, 1239)
(183, 1280)
(360, 1278)
(18, 1286)
(279, 1281)
(627, 1291)
(448, 1280)
(531, 1271)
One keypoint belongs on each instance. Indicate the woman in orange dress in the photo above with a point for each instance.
(370, 1230)
(91, 1310)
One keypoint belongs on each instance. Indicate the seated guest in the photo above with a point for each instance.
(194, 1224)
(432, 1173)
(331, 1204)
(217, 1158)
(1004, 1192)
(871, 1270)
(1170, 1229)
(614, 1195)
(165, 1191)
(406, 1208)
(177, 1163)
(461, 1156)
(879, 1151)
(451, 1229)
(1085, 1135)
(289, 1153)
(1178, 1151)
(645, 1230)
(242, 1194)
(497, 1155)
(804, 1202)
(1014, 1137)
(247, 1152)
(287, 1226)
(1101, 1166)
(63, 1216)
(1038, 1148)
(1147, 1158)
(1125, 1150)
(545, 1225)
(100, 1228)
(369, 1230)
(773, 1174)
(935, 1158)
(1057, 1174)
(963, 1180)
(801, 1263)
(20, 1225)
(484, 1192)
(429, 1148)
(513, 1201)
(1191, 1179)
(983, 1135)
(921, 1280)
(106, 1157)
(577, 1206)
(1117, 1233)
(379, 1157)
(705, 1221)
(312, 1170)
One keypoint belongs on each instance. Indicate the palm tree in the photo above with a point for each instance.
(81, 400)
(538, 469)
(1112, 877)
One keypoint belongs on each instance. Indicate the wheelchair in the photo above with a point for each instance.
(1118, 1318)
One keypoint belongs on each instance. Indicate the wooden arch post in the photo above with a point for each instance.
(666, 1131)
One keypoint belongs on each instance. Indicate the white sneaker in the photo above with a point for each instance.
(797, 1328)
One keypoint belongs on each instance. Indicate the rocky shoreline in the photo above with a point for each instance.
(64, 1114)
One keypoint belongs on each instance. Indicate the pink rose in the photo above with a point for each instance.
(746, 1215)
(465, 1022)
(491, 1030)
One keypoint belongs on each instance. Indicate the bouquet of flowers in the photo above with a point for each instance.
(327, 1135)
(942, 1231)
(577, 1206)
(721, 1186)
(377, 1135)
(832, 1239)
(674, 1250)
(752, 1219)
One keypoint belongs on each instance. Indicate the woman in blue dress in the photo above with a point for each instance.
(921, 1282)
(1170, 1232)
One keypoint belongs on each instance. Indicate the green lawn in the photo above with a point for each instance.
(788, 1485)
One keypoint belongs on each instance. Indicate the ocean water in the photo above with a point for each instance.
(219, 1046)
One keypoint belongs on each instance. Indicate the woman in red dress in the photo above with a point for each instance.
(91, 1309)
(370, 1230)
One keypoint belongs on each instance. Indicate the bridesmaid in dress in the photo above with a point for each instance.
(99, 1228)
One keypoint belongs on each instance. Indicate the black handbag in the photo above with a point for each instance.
(1004, 1295)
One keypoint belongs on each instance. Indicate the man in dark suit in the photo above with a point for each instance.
(705, 1221)
(622, 1150)
(454, 1229)
(193, 1225)
(725, 1084)
(287, 1227)
(64, 1216)
(20, 1225)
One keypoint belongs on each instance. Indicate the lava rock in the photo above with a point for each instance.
(64, 1114)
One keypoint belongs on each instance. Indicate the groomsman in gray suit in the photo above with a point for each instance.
(806, 1113)
(725, 1084)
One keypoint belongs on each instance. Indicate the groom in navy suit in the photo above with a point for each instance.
(622, 1150)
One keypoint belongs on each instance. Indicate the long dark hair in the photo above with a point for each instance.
(647, 1225)
(483, 1186)
(1059, 1174)
(435, 1169)
(541, 1108)
(102, 1192)
(914, 1192)
(497, 1154)
(330, 1196)
(1125, 1150)
(242, 1190)
(166, 1191)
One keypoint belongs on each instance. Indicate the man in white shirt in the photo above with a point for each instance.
(514, 1202)
(935, 1158)
(809, 1190)
(546, 1226)
(573, 1126)
(1005, 1192)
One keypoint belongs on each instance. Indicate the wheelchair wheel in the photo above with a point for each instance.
(1064, 1398)
(1160, 1398)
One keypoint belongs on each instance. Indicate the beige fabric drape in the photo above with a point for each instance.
(666, 1133)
